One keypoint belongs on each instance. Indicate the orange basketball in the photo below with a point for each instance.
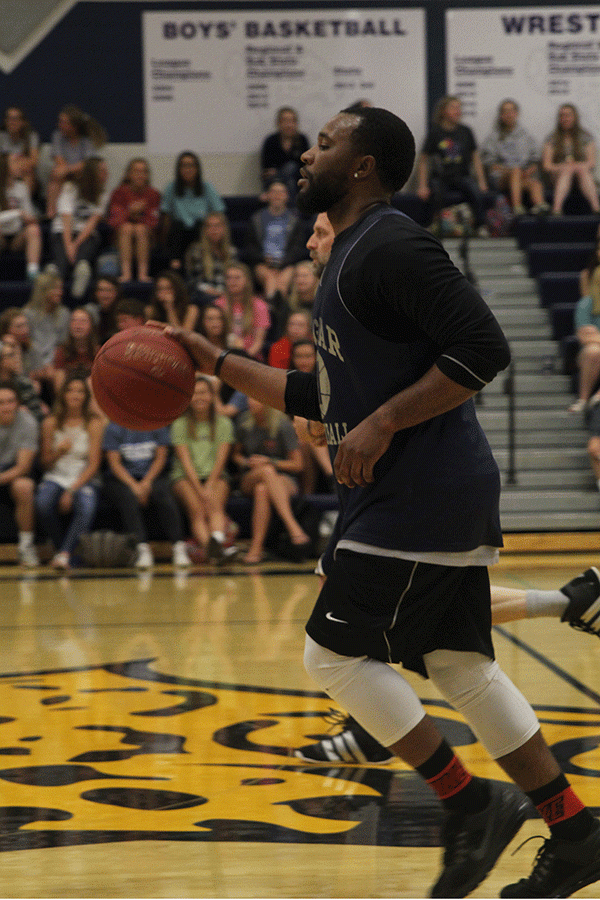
(142, 379)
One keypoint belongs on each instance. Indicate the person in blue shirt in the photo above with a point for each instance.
(404, 343)
(137, 485)
(185, 203)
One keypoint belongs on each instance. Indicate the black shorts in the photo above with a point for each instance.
(396, 610)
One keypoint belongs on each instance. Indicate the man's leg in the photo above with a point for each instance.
(577, 602)
(484, 816)
(507, 727)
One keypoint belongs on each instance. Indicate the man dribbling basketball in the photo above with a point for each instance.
(404, 342)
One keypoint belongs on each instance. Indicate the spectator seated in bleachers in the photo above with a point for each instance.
(133, 216)
(49, 325)
(70, 453)
(449, 163)
(282, 150)
(202, 439)
(106, 293)
(11, 372)
(247, 314)
(511, 157)
(19, 444)
(75, 238)
(269, 460)
(77, 138)
(317, 468)
(170, 302)
(15, 324)
(303, 287)
(587, 329)
(22, 146)
(138, 489)
(297, 328)
(206, 259)
(275, 242)
(568, 158)
(586, 273)
(186, 202)
(20, 230)
(214, 324)
(129, 312)
(78, 350)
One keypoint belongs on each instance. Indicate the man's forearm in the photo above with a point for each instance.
(431, 396)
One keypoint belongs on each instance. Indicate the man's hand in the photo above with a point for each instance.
(203, 353)
(359, 451)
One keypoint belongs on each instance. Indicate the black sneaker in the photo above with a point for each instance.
(583, 611)
(352, 745)
(560, 868)
(473, 842)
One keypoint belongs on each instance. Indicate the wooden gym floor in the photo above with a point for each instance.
(147, 723)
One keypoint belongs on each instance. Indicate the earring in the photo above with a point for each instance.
(356, 174)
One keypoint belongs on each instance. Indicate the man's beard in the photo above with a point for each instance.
(319, 196)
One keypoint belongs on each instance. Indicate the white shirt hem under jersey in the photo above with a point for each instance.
(480, 556)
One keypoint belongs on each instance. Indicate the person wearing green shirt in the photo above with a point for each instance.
(202, 440)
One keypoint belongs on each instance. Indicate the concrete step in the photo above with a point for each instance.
(505, 285)
(525, 332)
(540, 349)
(530, 316)
(524, 400)
(543, 438)
(512, 301)
(532, 419)
(559, 521)
(544, 459)
(550, 501)
(581, 480)
(550, 383)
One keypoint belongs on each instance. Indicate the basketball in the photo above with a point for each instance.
(142, 379)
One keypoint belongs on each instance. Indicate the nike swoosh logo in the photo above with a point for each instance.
(333, 619)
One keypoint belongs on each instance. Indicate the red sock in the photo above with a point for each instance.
(456, 788)
(452, 779)
(562, 810)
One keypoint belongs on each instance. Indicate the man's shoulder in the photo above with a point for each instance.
(396, 226)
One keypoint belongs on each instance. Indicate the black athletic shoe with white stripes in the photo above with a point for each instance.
(352, 744)
(583, 611)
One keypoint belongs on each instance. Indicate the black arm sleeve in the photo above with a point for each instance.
(302, 396)
(405, 287)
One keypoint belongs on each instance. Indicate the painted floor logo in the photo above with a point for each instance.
(122, 752)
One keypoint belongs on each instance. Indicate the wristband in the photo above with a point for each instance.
(220, 361)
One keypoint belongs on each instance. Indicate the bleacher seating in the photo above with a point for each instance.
(558, 257)
(533, 230)
(558, 287)
(561, 320)
(14, 293)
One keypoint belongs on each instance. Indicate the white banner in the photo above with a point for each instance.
(214, 80)
(540, 57)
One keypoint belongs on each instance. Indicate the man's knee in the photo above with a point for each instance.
(327, 668)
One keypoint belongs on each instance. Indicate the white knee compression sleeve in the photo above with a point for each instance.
(477, 687)
(371, 691)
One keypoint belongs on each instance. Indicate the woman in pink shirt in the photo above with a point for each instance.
(133, 214)
(249, 315)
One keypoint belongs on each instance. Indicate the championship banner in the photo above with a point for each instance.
(542, 57)
(213, 81)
